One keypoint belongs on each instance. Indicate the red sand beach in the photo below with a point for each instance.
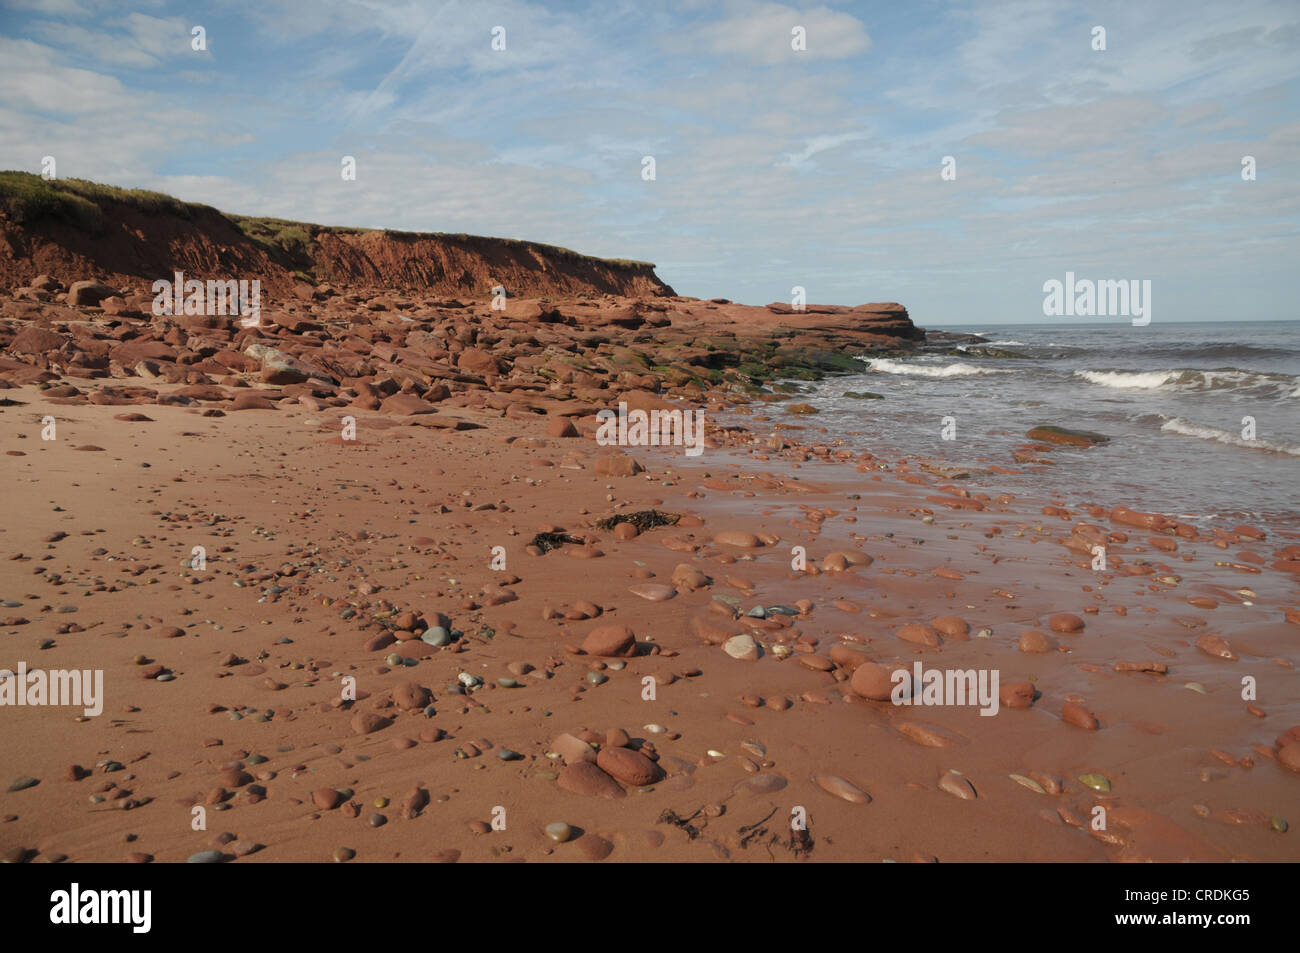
(619, 685)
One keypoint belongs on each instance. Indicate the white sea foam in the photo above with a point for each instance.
(1138, 380)
(1189, 429)
(885, 365)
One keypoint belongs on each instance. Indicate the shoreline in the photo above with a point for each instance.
(1192, 776)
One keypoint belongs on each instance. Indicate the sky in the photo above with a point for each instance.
(774, 167)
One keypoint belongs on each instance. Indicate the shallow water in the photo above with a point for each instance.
(1172, 398)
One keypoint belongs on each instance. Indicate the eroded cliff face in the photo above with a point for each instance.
(127, 244)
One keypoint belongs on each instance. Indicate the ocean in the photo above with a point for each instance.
(1172, 398)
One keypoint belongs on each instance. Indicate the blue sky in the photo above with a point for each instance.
(774, 167)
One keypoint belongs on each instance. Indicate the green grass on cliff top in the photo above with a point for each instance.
(27, 198)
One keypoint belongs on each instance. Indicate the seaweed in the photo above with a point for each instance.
(548, 541)
(642, 520)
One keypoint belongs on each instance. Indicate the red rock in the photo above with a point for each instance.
(573, 749)
(366, 723)
(610, 641)
(563, 427)
(630, 767)
(249, 400)
(1289, 757)
(1016, 694)
(474, 360)
(1034, 641)
(1216, 646)
(919, 634)
(817, 663)
(1079, 716)
(616, 463)
(406, 405)
(89, 292)
(410, 695)
(873, 681)
(585, 778)
(326, 798)
(738, 539)
(1066, 623)
(34, 340)
(951, 626)
(848, 655)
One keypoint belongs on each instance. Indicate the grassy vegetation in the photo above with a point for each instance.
(28, 198)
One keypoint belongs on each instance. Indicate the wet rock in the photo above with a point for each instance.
(1065, 623)
(842, 788)
(919, 634)
(872, 680)
(1046, 433)
(1016, 694)
(742, 648)
(1216, 646)
(1079, 716)
(739, 540)
(1033, 641)
(958, 786)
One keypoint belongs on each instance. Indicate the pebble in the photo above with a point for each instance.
(630, 767)
(1028, 783)
(1098, 782)
(653, 592)
(21, 784)
(1216, 646)
(737, 539)
(842, 788)
(1066, 623)
(1079, 716)
(742, 647)
(343, 854)
(436, 636)
(610, 641)
(1033, 641)
(206, 857)
(583, 777)
(919, 634)
(957, 786)
(873, 681)
(559, 832)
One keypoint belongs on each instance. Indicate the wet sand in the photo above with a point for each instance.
(316, 547)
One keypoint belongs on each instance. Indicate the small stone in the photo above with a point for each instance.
(343, 854)
(206, 857)
(1028, 783)
(742, 647)
(843, 789)
(957, 786)
(1098, 782)
(559, 832)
